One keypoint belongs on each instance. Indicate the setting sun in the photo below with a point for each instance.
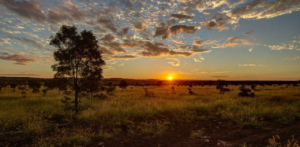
(170, 78)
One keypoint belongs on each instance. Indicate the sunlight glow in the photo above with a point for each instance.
(170, 78)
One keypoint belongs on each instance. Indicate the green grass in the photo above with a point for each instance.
(102, 119)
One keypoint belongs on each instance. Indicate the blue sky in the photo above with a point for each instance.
(187, 39)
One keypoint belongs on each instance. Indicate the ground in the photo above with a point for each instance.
(167, 118)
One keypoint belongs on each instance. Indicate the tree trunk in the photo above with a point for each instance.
(76, 101)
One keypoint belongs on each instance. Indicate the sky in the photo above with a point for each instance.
(155, 39)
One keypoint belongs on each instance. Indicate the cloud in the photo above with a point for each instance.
(260, 9)
(200, 59)
(294, 58)
(167, 31)
(28, 41)
(124, 57)
(251, 65)
(203, 42)
(249, 32)
(105, 50)
(108, 38)
(219, 76)
(124, 31)
(174, 30)
(177, 41)
(218, 22)
(138, 26)
(28, 9)
(200, 50)
(20, 75)
(69, 3)
(206, 13)
(159, 49)
(114, 46)
(201, 5)
(19, 59)
(233, 41)
(72, 10)
(288, 45)
(250, 49)
(57, 16)
(181, 16)
(175, 62)
(107, 23)
(4, 41)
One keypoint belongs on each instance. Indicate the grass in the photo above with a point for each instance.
(130, 112)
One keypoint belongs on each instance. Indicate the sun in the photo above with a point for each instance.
(170, 78)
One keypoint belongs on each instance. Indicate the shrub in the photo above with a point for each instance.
(245, 92)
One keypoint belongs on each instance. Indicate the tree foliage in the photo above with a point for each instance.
(78, 58)
(123, 84)
(34, 85)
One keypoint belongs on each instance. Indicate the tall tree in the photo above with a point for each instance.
(123, 84)
(77, 56)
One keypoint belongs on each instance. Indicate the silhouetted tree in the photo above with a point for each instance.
(50, 84)
(45, 91)
(2, 84)
(61, 83)
(77, 57)
(159, 83)
(13, 86)
(123, 84)
(35, 86)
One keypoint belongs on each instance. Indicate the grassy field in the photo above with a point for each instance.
(33, 120)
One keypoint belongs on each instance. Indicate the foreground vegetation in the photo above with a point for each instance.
(30, 118)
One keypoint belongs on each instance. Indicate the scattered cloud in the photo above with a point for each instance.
(218, 22)
(250, 49)
(28, 41)
(182, 16)
(28, 9)
(4, 41)
(177, 41)
(159, 49)
(262, 9)
(124, 56)
(20, 75)
(199, 59)
(288, 45)
(293, 58)
(203, 42)
(174, 63)
(122, 64)
(251, 65)
(138, 26)
(19, 59)
(232, 42)
(206, 13)
(166, 32)
(108, 38)
(249, 32)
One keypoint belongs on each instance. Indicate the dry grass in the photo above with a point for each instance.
(129, 111)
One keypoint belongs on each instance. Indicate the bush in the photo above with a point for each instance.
(245, 92)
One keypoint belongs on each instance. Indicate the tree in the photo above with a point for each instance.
(61, 83)
(50, 84)
(77, 57)
(13, 86)
(123, 84)
(35, 86)
(45, 91)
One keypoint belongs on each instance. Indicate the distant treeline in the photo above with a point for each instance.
(155, 82)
